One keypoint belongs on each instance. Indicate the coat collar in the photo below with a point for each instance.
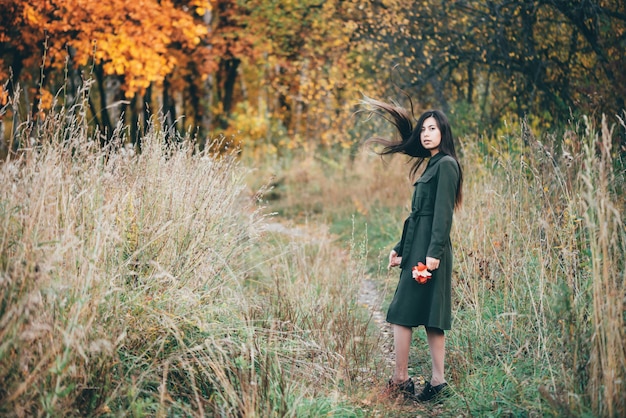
(431, 163)
(435, 158)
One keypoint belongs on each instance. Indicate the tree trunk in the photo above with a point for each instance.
(134, 118)
(228, 69)
(105, 120)
(145, 115)
(169, 109)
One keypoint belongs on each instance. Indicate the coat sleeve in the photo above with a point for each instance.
(447, 184)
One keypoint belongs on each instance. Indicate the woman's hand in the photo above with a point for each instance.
(432, 263)
(394, 260)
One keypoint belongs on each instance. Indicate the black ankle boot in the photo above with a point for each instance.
(430, 392)
(406, 388)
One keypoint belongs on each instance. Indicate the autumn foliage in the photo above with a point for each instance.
(281, 74)
(143, 42)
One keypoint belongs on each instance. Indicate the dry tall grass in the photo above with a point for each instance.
(143, 284)
(606, 234)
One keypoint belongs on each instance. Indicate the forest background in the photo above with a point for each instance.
(145, 144)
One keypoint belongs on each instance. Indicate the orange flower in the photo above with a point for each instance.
(421, 273)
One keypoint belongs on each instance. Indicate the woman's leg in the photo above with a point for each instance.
(402, 343)
(437, 345)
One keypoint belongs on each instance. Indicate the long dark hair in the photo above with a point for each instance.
(410, 143)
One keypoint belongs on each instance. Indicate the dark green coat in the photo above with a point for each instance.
(426, 233)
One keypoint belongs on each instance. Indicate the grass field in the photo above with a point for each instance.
(148, 284)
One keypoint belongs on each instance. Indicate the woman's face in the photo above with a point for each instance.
(430, 135)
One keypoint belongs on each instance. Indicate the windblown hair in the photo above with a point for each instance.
(410, 143)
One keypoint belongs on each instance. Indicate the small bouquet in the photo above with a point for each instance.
(421, 274)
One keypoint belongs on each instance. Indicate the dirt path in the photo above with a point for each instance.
(369, 295)
(372, 299)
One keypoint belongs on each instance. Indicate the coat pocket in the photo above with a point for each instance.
(424, 190)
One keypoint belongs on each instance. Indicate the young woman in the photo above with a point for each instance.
(423, 294)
